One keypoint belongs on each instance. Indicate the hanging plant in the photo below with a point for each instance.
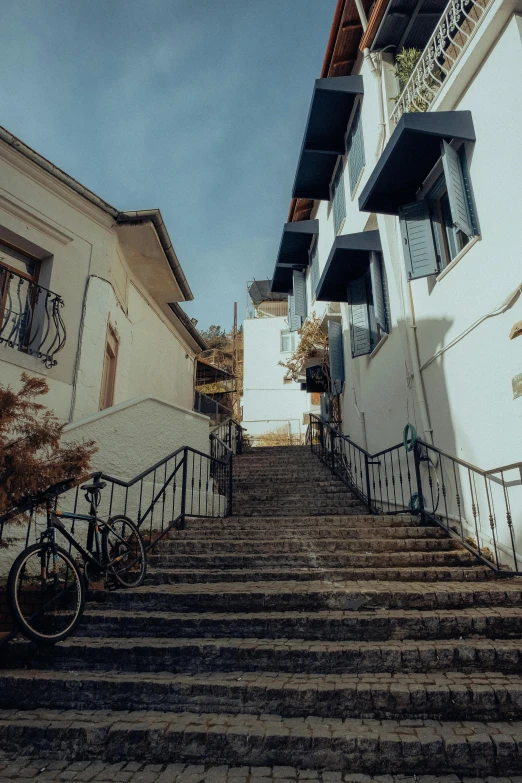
(313, 344)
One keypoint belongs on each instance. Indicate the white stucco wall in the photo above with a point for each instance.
(468, 389)
(268, 402)
(83, 258)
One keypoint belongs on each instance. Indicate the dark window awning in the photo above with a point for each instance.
(408, 24)
(348, 260)
(293, 252)
(412, 151)
(332, 103)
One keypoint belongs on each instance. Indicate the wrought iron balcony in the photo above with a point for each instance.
(450, 39)
(30, 318)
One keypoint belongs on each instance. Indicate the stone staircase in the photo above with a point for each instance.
(301, 638)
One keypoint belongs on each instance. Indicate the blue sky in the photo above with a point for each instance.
(193, 106)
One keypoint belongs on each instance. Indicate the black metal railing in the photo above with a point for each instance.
(30, 317)
(481, 508)
(228, 434)
(217, 412)
(186, 483)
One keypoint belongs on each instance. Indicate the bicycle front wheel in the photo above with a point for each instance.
(124, 552)
(46, 593)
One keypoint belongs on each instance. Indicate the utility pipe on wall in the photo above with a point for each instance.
(362, 14)
(377, 73)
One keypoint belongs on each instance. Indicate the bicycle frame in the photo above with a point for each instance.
(54, 518)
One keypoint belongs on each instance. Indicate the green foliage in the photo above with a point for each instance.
(405, 63)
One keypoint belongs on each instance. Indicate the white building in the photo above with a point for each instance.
(89, 299)
(272, 402)
(409, 196)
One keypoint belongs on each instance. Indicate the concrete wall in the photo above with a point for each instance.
(268, 402)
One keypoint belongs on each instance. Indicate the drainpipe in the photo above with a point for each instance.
(362, 15)
(420, 393)
(377, 73)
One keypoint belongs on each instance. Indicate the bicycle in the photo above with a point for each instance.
(46, 589)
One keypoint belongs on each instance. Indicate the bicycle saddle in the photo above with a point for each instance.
(94, 487)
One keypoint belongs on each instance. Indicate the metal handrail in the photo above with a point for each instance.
(30, 317)
(442, 488)
(457, 26)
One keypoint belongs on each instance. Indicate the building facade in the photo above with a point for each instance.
(273, 405)
(407, 191)
(89, 300)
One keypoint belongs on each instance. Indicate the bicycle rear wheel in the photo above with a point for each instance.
(122, 543)
(46, 593)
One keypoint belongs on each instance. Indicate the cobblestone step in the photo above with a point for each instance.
(197, 655)
(316, 559)
(382, 747)
(32, 769)
(499, 622)
(319, 545)
(302, 521)
(439, 696)
(313, 596)
(193, 532)
(472, 572)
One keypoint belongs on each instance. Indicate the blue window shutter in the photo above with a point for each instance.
(456, 189)
(335, 348)
(314, 269)
(356, 158)
(299, 279)
(360, 334)
(419, 247)
(294, 321)
(378, 291)
(338, 198)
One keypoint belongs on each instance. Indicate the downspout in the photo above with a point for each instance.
(362, 14)
(377, 73)
(420, 393)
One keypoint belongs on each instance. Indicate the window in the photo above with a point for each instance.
(18, 297)
(338, 198)
(297, 302)
(314, 269)
(109, 369)
(336, 354)
(438, 227)
(368, 308)
(288, 341)
(355, 146)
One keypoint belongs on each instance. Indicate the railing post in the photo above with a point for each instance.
(368, 485)
(184, 489)
(416, 458)
(230, 484)
(332, 449)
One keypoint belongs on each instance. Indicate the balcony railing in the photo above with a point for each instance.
(30, 318)
(453, 34)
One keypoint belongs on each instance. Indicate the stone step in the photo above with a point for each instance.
(348, 596)
(253, 533)
(300, 544)
(440, 696)
(428, 574)
(136, 772)
(285, 482)
(305, 510)
(332, 625)
(272, 493)
(472, 748)
(199, 655)
(328, 505)
(302, 521)
(303, 559)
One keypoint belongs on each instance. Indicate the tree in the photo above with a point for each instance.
(31, 457)
(216, 337)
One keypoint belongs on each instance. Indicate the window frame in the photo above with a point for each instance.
(314, 274)
(288, 333)
(110, 356)
(32, 279)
